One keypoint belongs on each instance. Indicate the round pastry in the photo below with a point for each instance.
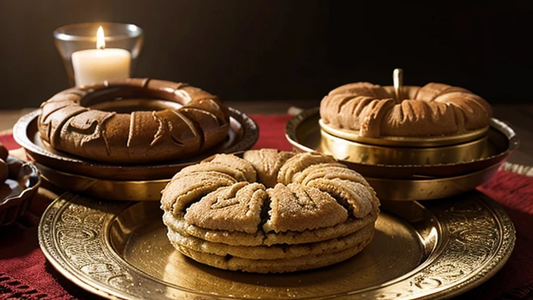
(169, 121)
(269, 211)
(432, 110)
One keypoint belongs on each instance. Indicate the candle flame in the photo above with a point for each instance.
(100, 38)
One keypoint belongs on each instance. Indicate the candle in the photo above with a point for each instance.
(100, 64)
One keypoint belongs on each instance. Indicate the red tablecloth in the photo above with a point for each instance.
(25, 273)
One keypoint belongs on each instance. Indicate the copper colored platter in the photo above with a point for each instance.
(304, 133)
(242, 136)
(429, 250)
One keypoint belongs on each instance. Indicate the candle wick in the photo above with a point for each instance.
(102, 47)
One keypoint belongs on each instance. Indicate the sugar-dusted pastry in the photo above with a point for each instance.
(269, 211)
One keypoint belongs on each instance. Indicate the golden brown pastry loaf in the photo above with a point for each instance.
(312, 211)
(68, 123)
(432, 110)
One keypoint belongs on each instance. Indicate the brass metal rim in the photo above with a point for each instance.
(429, 188)
(399, 141)
(129, 190)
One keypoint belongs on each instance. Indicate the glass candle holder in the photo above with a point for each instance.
(82, 36)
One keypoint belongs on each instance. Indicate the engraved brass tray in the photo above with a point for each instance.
(242, 136)
(119, 250)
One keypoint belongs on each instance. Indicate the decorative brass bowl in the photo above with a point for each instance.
(401, 177)
(18, 190)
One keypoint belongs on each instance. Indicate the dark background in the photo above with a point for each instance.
(283, 50)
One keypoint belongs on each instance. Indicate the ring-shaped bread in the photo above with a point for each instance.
(199, 121)
(432, 110)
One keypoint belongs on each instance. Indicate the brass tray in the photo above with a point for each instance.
(119, 250)
(242, 136)
(304, 133)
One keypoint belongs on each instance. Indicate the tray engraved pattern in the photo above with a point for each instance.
(474, 238)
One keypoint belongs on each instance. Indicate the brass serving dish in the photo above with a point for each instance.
(120, 182)
(303, 132)
(242, 136)
(119, 250)
(411, 181)
(406, 151)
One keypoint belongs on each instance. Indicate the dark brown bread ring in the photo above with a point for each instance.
(68, 123)
(432, 110)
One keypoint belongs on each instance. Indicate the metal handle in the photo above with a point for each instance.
(397, 79)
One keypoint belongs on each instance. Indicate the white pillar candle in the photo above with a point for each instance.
(99, 65)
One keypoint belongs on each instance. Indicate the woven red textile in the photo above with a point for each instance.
(8, 141)
(272, 131)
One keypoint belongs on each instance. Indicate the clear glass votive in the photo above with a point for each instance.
(82, 36)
